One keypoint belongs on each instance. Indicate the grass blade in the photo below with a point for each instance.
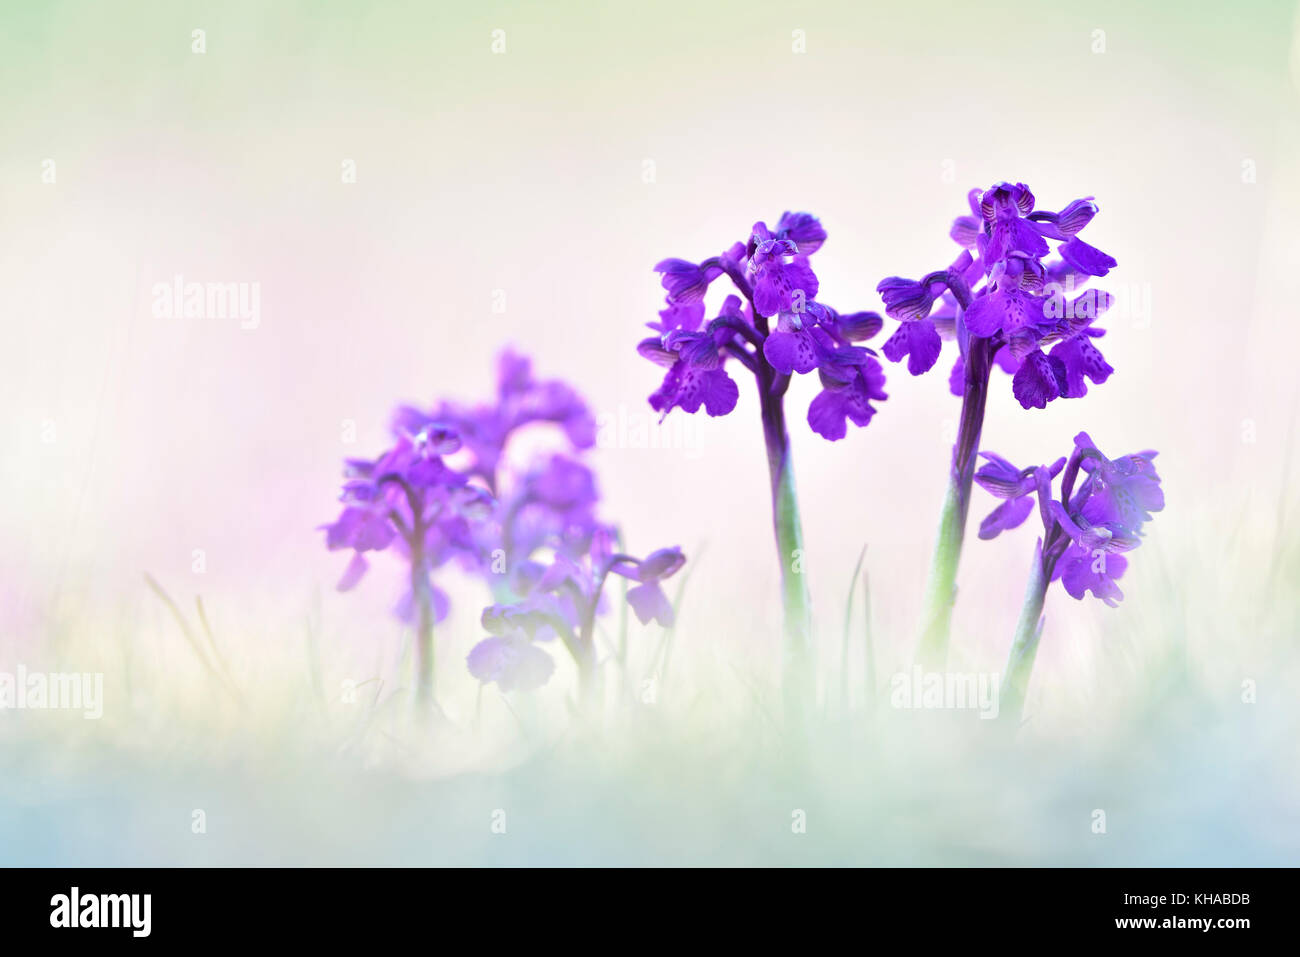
(844, 648)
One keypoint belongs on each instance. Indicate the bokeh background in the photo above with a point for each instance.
(521, 198)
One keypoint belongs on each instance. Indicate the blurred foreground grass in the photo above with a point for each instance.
(1146, 723)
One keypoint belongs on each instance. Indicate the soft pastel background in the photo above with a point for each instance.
(131, 441)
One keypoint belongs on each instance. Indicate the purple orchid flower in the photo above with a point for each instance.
(1086, 534)
(512, 661)
(1006, 294)
(564, 601)
(696, 376)
(776, 328)
(509, 656)
(447, 491)
(648, 599)
(521, 400)
(1016, 487)
(781, 277)
(687, 282)
(410, 500)
(551, 506)
(542, 547)
(1010, 307)
(547, 502)
(1103, 517)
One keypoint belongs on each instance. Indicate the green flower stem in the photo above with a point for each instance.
(420, 590)
(423, 633)
(798, 675)
(1024, 647)
(941, 590)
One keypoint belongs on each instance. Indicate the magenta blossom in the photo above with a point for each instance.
(409, 500)
(1086, 531)
(1009, 307)
(648, 599)
(1001, 290)
(1087, 535)
(450, 489)
(563, 601)
(522, 400)
(775, 327)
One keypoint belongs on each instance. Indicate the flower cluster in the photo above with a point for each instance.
(546, 500)
(411, 500)
(449, 488)
(774, 327)
(452, 485)
(1003, 289)
(521, 400)
(1087, 530)
(562, 600)
(551, 504)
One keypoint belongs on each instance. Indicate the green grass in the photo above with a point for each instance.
(1137, 712)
